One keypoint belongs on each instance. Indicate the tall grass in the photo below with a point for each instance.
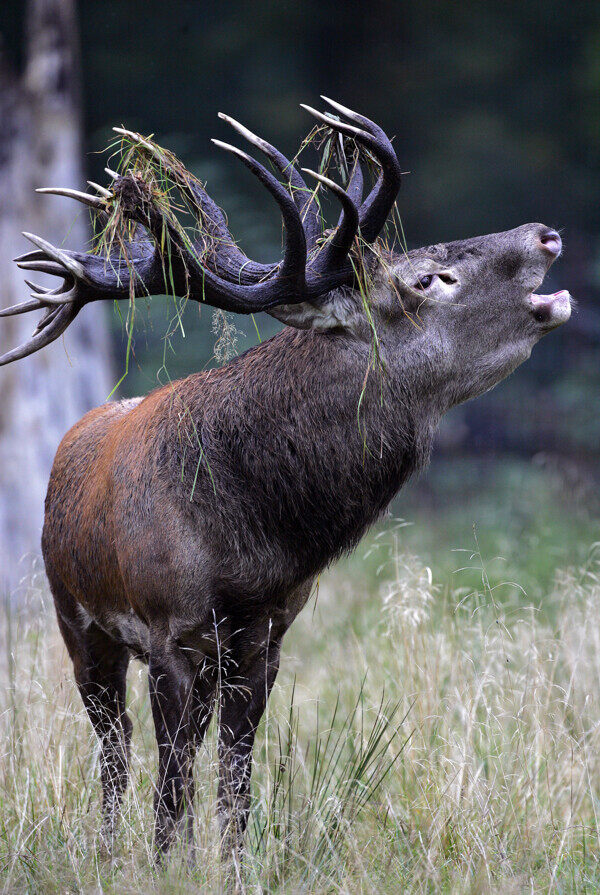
(418, 740)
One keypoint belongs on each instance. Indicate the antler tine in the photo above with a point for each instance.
(46, 320)
(136, 137)
(85, 198)
(62, 258)
(39, 289)
(33, 304)
(106, 194)
(55, 328)
(51, 297)
(365, 123)
(30, 256)
(378, 204)
(338, 244)
(349, 129)
(43, 266)
(301, 194)
(294, 259)
(184, 185)
(55, 298)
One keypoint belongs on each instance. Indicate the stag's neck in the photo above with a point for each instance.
(305, 441)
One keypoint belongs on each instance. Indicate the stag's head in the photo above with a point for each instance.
(455, 317)
(465, 314)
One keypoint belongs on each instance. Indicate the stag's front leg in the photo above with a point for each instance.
(181, 698)
(243, 699)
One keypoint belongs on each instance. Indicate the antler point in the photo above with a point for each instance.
(227, 146)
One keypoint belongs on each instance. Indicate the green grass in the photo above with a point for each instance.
(431, 730)
(530, 516)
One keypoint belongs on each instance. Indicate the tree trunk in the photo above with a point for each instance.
(42, 395)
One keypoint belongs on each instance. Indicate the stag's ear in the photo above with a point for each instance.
(336, 310)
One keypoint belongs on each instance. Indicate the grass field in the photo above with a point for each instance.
(435, 726)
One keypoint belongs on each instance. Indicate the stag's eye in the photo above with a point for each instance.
(425, 282)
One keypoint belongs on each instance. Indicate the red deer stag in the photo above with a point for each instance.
(186, 528)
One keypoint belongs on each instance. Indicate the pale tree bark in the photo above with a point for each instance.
(42, 395)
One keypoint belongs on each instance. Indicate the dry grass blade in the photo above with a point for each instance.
(454, 747)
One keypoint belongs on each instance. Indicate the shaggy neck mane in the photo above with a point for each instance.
(283, 438)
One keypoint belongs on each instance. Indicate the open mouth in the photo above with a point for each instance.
(550, 310)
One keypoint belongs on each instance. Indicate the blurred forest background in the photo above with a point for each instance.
(495, 109)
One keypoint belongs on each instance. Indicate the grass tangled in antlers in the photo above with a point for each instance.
(168, 188)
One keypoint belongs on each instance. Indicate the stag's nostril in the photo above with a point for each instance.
(551, 242)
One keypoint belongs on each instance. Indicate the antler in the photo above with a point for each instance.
(213, 269)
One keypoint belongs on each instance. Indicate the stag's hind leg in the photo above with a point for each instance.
(100, 664)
